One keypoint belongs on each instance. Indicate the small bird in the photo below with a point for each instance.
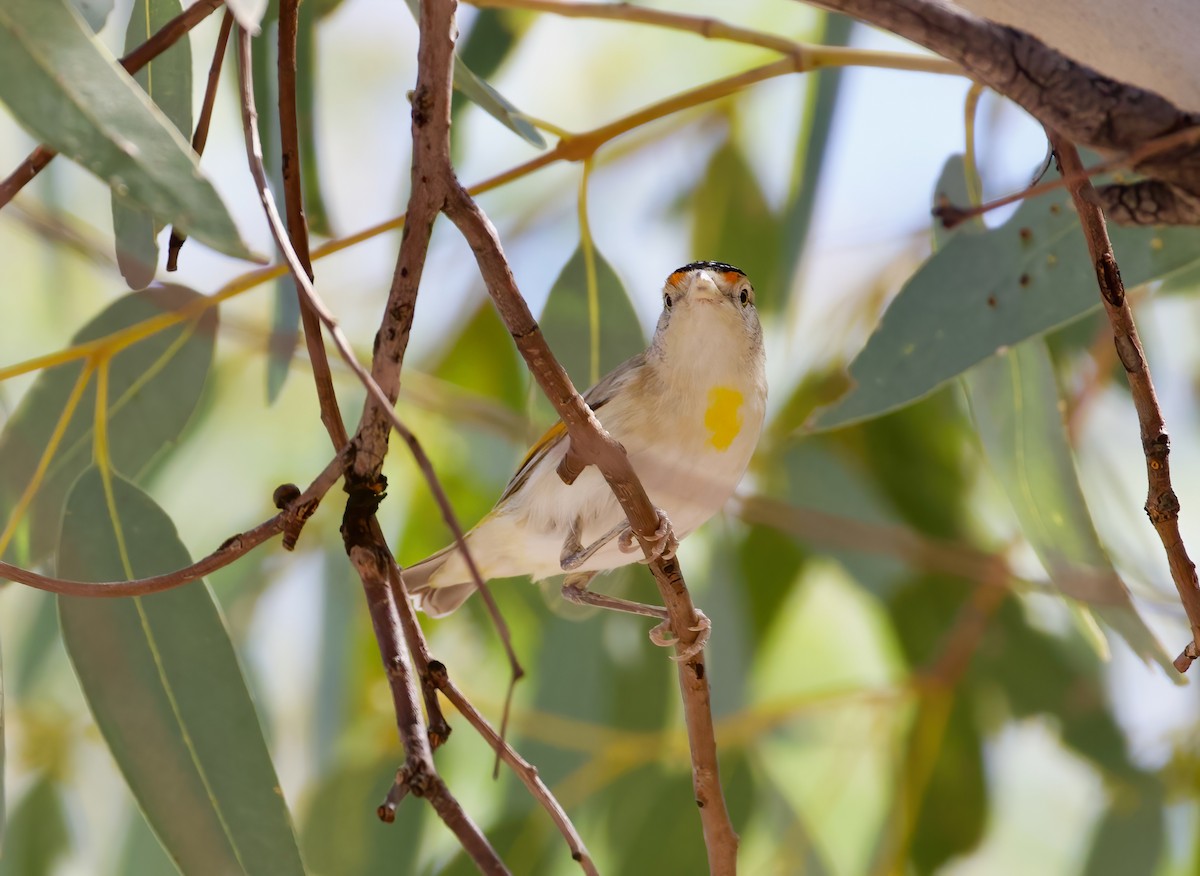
(688, 411)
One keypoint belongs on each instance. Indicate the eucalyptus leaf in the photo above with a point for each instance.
(163, 683)
(1015, 403)
(989, 289)
(65, 88)
(168, 81)
(1131, 835)
(154, 386)
(568, 324)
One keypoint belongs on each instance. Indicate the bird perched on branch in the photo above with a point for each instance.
(688, 411)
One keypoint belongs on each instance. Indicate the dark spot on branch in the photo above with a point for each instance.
(1026, 235)
(699, 670)
(991, 301)
(1109, 275)
(1024, 281)
(285, 495)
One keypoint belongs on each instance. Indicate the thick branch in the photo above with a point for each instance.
(167, 36)
(1162, 505)
(1084, 105)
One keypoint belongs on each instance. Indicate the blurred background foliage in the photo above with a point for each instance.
(898, 685)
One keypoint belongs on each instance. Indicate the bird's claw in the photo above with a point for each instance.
(663, 636)
(663, 543)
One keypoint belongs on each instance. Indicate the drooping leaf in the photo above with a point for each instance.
(154, 385)
(487, 98)
(37, 835)
(952, 806)
(989, 289)
(285, 305)
(141, 852)
(732, 222)
(163, 682)
(168, 81)
(568, 323)
(306, 95)
(483, 360)
(1015, 402)
(68, 91)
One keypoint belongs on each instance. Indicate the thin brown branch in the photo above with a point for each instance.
(231, 549)
(365, 545)
(430, 127)
(1162, 505)
(524, 770)
(169, 34)
(418, 775)
(203, 121)
(590, 442)
(297, 222)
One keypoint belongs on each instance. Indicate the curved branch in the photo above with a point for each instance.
(289, 519)
(1084, 105)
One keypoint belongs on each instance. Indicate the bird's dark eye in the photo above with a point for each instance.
(745, 297)
(667, 302)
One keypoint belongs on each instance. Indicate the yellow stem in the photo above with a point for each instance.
(56, 436)
(589, 269)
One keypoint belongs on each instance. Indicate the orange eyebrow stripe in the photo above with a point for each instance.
(676, 277)
(731, 277)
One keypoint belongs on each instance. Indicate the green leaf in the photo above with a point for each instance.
(162, 680)
(37, 835)
(315, 210)
(484, 360)
(1015, 402)
(141, 852)
(487, 98)
(568, 325)
(285, 305)
(733, 223)
(68, 91)
(953, 808)
(154, 386)
(168, 81)
(989, 289)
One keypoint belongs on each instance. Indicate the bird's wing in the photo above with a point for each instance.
(596, 397)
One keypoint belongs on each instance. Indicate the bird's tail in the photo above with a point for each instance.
(435, 601)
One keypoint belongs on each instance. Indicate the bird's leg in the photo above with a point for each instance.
(574, 554)
(663, 543)
(575, 590)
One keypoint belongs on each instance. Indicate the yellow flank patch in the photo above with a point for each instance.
(723, 418)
